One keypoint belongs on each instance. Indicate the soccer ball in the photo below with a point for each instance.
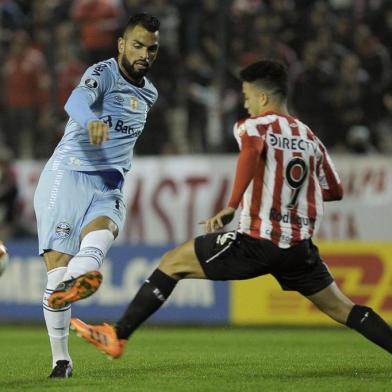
(4, 258)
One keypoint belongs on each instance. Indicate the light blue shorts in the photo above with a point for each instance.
(65, 201)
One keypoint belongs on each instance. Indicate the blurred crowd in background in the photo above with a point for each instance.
(338, 53)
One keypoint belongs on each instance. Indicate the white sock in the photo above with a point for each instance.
(92, 251)
(57, 320)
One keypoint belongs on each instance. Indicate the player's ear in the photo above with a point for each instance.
(121, 45)
(264, 99)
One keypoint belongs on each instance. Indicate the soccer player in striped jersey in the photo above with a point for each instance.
(283, 176)
(79, 201)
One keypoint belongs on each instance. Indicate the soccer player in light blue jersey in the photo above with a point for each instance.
(78, 201)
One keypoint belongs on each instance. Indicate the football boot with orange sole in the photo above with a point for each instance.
(75, 289)
(102, 336)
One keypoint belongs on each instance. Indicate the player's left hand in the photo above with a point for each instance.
(219, 220)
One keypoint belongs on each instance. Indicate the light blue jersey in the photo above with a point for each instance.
(104, 94)
(83, 181)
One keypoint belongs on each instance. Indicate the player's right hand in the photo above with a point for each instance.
(98, 132)
(219, 220)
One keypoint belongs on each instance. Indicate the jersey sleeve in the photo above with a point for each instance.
(155, 97)
(95, 82)
(243, 129)
(251, 145)
(328, 177)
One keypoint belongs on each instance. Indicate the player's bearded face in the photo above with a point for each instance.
(133, 69)
(138, 50)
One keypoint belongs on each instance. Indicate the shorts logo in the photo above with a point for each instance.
(223, 238)
(133, 103)
(63, 230)
(91, 83)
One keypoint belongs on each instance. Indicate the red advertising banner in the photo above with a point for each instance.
(166, 197)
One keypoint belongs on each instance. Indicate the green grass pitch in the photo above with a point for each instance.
(203, 359)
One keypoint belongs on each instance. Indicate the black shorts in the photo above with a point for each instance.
(235, 256)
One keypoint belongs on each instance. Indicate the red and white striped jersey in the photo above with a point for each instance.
(293, 175)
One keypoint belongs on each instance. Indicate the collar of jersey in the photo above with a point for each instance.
(129, 80)
(271, 112)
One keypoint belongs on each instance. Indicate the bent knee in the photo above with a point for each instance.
(54, 259)
(174, 265)
(181, 262)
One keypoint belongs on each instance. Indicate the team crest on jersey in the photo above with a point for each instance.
(63, 230)
(91, 83)
(134, 103)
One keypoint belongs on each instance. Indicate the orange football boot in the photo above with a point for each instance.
(75, 289)
(102, 336)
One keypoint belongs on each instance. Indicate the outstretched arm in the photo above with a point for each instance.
(78, 107)
(93, 85)
(249, 157)
(329, 180)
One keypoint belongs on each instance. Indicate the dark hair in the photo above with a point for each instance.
(272, 75)
(149, 22)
